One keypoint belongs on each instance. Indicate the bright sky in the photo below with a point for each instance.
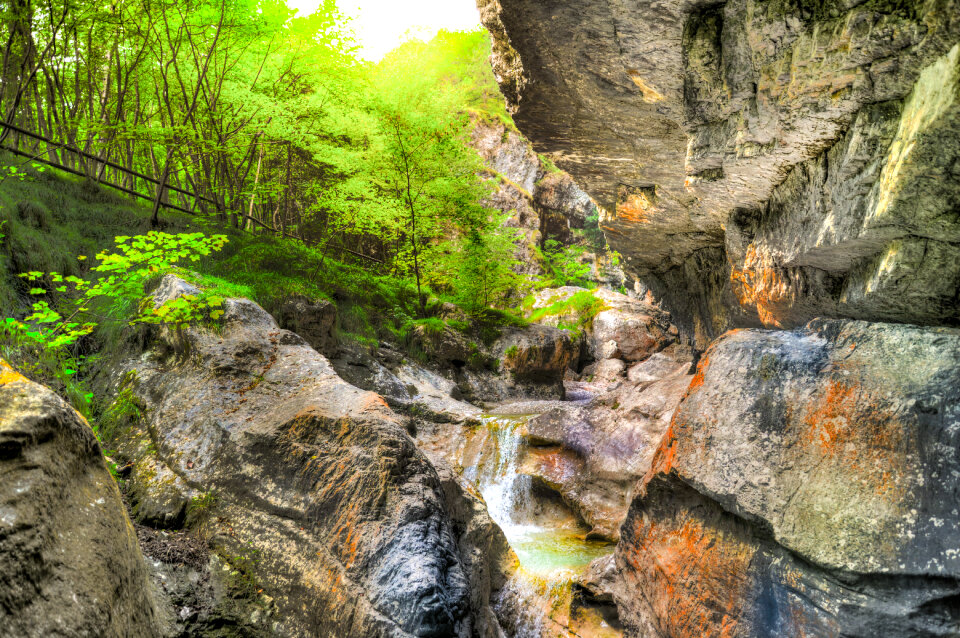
(381, 25)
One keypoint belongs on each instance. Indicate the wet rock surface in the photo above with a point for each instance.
(760, 163)
(594, 453)
(319, 500)
(69, 560)
(806, 486)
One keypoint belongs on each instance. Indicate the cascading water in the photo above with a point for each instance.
(552, 552)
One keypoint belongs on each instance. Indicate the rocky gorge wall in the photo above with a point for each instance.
(759, 163)
(539, 201)
(784, 178)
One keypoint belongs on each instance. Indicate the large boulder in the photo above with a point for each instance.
(808, 486)
(69, 560)
(314, 320)
(537, 355)
(594, 454)
(316, 497)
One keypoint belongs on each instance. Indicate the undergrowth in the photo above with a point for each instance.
(575, 312)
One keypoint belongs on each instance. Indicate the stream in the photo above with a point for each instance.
(546, 536)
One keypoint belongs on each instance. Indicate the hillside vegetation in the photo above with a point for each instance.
(325, 176)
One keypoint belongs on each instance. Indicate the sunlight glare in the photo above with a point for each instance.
(382, 25)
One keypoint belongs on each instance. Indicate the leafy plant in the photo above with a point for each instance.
(562, 266)
(575, 312)
(44, 342)
(592, 231)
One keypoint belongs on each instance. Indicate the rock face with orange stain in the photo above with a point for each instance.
(807, 486)
(759, 163)
(330, 519)
(593, 454)
(69, 560)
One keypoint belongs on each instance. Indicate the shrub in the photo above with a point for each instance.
(44, 343)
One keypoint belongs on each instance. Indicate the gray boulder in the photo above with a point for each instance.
(320, 500)
(537, 355)
(594, 454)
(315, 321)
(808, 485)
(69, 560)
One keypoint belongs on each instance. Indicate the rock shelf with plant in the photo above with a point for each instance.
(49, 344)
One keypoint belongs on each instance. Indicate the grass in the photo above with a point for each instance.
(548, 164)
(50, 218)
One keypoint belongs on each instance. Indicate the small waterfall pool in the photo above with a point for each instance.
(545, 551)
(547, 538)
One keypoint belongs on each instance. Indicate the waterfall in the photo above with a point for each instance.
(505, 490)
(552, 552)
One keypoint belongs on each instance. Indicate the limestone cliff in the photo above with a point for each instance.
(763, 164)
(760, 163)
(540, 201)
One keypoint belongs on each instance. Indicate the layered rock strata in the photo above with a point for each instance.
(807, 486)
(760, 163)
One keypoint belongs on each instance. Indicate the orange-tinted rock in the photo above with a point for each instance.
(807, 486)
(320, 498)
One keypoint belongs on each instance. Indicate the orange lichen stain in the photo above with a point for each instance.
(666, 455)
(347, 539)
(650, 94)
(697, 380)
(848, 427)
(696, 577)
(372, 402)
(8, 374)
(636, 208)
(757, 283)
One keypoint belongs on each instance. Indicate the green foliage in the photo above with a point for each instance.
(124, 411)
(43, 344)
(243, 571)
(592, 231)
(485, 277)
(547, 164)
(51, 219)
(562, 266)
(199, 509)
(430, 325)
(575, 312)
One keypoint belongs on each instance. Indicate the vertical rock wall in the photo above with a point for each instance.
(764, 163)
(761, 163)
